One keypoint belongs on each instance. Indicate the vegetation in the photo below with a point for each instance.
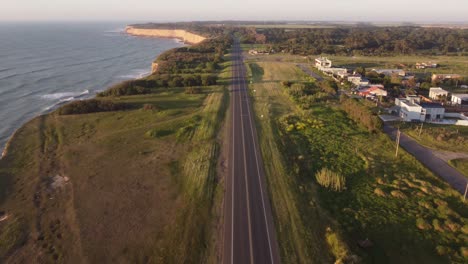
(331, 180)
(91, 106)
(367, 40)
(119, 185)
(439, 137)
(392, 210)
(461, 165)
(360, 113)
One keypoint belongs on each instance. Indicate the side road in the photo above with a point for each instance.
(426, 156)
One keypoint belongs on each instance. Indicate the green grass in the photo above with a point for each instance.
(439, 137)
(385, 198)
(126, 191)
(461, 165)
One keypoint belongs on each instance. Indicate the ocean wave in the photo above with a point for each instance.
(61, 96)
(134, 74)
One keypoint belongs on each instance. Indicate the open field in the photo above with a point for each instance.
(115, 185)
(408, 214)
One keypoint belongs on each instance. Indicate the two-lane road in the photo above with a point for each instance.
(249, 233)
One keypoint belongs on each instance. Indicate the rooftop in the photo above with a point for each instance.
(431, 105)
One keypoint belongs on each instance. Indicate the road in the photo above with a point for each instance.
(249, 233)
(308, 71)
(441, 168)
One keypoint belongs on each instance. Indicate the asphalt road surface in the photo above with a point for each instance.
(441, 168)
(308, 71)
(249, 233)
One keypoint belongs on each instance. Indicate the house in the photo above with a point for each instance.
(432, 111)
(459, 99)
(323, 62)
(441, 77)
(424, 65)
(390, 72)
(373, 90)
(437, 93)
(411, 109)
(358, 80)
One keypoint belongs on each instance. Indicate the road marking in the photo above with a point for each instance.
(246, 182)
(232, 175)
(260, 181)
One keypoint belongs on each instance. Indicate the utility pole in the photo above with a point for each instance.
(397, 142)
(420, 129)
(466, 190)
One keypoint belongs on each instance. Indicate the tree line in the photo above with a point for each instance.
(367, 40)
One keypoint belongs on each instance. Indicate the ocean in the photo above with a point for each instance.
(44, 65)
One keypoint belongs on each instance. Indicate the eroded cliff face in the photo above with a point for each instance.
(187, 37)
(154, 67)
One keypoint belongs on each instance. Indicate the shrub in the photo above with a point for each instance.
(158, 133)
(398, 194)
(379, 192)
(422, 224)
(331, 180)
(90, 106)
(132, 87)
(193, 90)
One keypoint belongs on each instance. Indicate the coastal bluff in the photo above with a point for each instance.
(181, 34)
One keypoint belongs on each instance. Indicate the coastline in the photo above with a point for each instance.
(7, 145)
(186, 36)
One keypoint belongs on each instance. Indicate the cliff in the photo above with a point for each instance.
(184, 35)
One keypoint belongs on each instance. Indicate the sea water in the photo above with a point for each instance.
(44, 65)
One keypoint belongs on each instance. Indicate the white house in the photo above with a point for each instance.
(358, 80)
(459, 99)
(432, 111)
(411, 109)
(323, 62)
(437, 92)
(390, 72)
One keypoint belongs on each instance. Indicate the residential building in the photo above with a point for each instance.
(441, 77)
(373, 90)
(459, 99)
(390, 72)
(437, 93)
(358, 80)
(411, 109)
(323, 62)
(432, 111)
(424, 65)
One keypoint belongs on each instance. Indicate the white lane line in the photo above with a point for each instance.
(260, 181)
(246, 181)
(232, 173)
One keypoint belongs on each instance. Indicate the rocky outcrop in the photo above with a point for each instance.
(181, 34)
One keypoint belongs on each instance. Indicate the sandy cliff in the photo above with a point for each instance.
(187, 37)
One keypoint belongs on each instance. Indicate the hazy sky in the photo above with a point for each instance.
(183, 10)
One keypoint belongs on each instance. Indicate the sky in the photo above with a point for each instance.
(199, 10)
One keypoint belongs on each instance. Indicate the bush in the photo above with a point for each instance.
(422, 224)
(131, 87)
(90, 106)
(398, 194)
(331, 180)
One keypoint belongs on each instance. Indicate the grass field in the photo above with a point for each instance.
(461, 165)
(439, 137)
(408, 214)
(116, 186)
